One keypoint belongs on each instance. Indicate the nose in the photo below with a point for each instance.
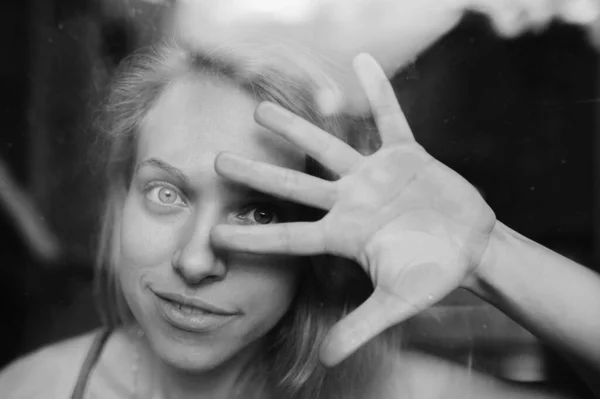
(195, 260)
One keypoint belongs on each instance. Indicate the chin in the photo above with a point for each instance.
(196, 353)
(200, 358)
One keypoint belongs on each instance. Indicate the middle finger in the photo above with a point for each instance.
(277, 181)
(328, 150)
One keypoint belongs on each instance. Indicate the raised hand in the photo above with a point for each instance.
(415, 226)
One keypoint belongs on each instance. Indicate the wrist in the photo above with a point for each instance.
(480, 281)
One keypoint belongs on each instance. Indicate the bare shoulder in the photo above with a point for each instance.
(414, 375)
(49, 372)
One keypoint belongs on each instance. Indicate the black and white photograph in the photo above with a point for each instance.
(300, 199)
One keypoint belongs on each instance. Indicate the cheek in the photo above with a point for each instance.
(146, 250)
(267, 286)
(144, 242)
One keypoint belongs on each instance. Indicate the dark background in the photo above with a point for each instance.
(517, 118)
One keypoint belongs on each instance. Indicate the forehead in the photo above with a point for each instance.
(196, 117)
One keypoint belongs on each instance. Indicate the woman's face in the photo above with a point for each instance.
(199, 307)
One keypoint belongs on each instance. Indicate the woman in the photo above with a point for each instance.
(225, 275)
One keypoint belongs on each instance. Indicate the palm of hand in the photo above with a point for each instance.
(415, 226)
(399, 195)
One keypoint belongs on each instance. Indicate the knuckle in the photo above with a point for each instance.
(289, 182)
(323, 148)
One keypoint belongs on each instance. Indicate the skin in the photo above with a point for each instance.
(424, 232)
(418, 229)
(175, 199)
(415, 226)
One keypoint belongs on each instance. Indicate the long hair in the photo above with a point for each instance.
(331, 286)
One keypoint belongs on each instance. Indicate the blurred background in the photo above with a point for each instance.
(516, 117)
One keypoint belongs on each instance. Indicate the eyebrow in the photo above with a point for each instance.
(172, 170)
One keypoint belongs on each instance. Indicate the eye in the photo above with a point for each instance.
(164, 195)
(262, 214)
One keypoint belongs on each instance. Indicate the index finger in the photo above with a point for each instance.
(390, 119)
(295, 238)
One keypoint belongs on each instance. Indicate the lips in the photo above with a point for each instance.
(191, 314)
(191, 304)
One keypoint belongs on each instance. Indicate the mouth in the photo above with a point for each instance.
(190, 305)
(192, 314)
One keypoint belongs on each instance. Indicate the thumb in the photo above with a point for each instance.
(420, 287)
(379, 312)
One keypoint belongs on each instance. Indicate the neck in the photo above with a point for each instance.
(158, 379)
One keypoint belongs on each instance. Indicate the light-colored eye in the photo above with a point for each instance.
(164, 195)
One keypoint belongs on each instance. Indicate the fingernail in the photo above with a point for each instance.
(329, 101)
(361, 60)
(227, 162)
(272, 113)
(325, 355)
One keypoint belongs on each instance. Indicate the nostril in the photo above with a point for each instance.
(197, 266)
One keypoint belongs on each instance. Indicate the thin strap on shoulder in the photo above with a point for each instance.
(90, 361)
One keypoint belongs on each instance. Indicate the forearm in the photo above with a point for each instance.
(552, 296)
